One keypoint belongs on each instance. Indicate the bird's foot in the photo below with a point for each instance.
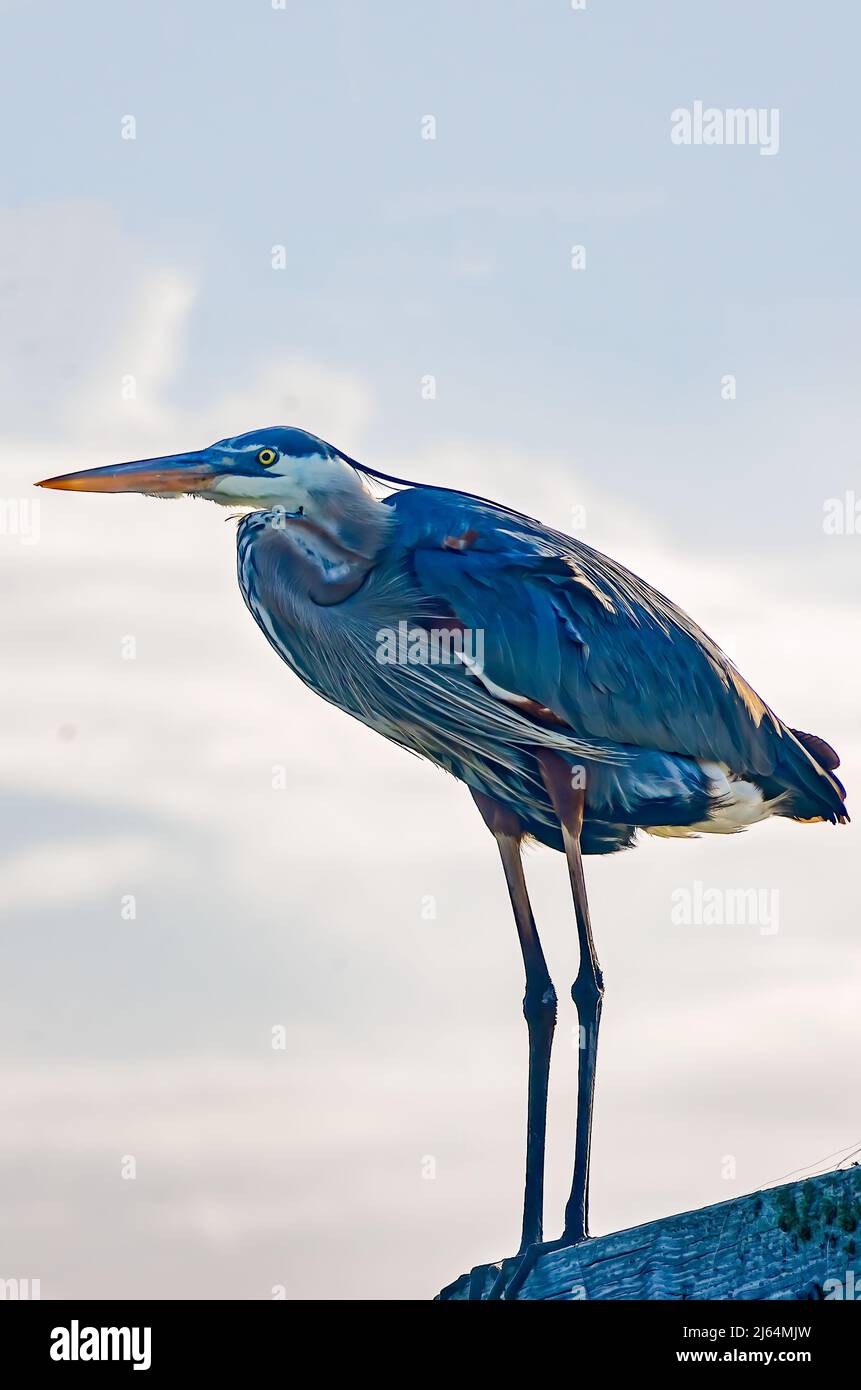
(514, 1272)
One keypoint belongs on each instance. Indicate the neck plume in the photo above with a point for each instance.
(336, 539)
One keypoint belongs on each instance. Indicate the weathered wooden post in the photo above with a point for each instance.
(799, 1241)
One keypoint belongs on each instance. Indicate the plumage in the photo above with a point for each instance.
(576, 702)
(671, 737)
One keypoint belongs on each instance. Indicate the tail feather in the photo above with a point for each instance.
(815, 793)
(822, 751)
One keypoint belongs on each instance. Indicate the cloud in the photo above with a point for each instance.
(56, 874)
(125, 394)
(108, 326)
(154, 775)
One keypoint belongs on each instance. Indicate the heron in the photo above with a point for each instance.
(578, 704)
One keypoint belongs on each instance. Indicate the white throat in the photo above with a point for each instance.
(326, 491)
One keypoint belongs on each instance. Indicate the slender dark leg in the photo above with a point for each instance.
(587, 990)
(539, 1008)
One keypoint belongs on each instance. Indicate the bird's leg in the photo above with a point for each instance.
(539, 1008)
(588, 989)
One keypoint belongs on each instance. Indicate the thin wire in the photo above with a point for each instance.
(853, 1147)
(848, 1152)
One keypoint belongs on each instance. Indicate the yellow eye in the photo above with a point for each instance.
(266, 456)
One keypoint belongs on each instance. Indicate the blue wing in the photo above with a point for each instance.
(581, 635)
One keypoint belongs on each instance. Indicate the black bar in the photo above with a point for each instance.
(219, 1339)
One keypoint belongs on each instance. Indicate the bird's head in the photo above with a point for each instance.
(276, 468)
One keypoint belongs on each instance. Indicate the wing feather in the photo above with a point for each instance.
(575, 631)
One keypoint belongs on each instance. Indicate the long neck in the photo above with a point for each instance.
(348, 513)
(335, 542)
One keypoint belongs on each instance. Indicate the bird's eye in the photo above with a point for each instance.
(266, 457)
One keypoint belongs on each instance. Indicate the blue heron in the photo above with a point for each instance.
(577, 703)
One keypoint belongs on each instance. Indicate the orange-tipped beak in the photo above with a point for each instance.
(161, 477)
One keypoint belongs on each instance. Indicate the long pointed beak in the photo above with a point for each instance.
(161, 477)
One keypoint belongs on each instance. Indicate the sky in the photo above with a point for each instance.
(260, 993)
